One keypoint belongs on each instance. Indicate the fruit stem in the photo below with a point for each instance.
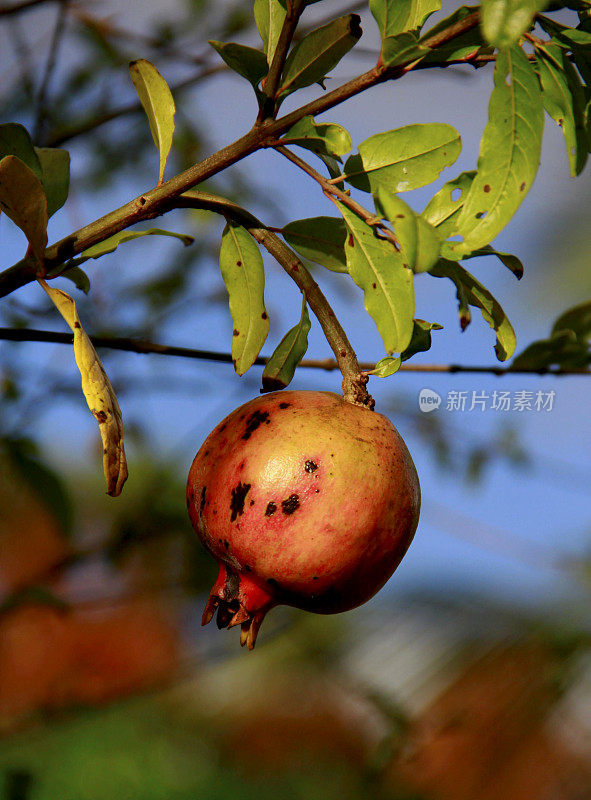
(354, 380)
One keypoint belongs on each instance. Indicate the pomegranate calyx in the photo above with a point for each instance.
(237, 600)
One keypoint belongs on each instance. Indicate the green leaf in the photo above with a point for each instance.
(331, 164)
(318, 53)
(444, 208)
(562, 349)
(569, 344)
(280, 368)
(55, 176)
(461, 46)
(158, 103)
(320, 239)
(401, 49)
(378, 269)
(78, 277)
(269, 17)
(421, 338)
(242, 269)
(504, 21)
(396, 16)
(564, 100)
(507, 259)
(15, 141)
(509, 152)
(113, 242)
(324, 138)
(419, 240)
(472, 292)
(404, 158)
(573, 38)
(578, 320)
(23, 200)
(246, 61)
(386, 366)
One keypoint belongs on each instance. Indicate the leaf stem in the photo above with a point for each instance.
(330, 190)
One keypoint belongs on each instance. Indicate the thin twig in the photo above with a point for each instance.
(271, 82)
(16, 8)
(60, 136)
(331, 190)
(158, 200)
(144, 346)
(54, 46)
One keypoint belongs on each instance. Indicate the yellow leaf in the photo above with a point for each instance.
(98, 392)
(158, 103)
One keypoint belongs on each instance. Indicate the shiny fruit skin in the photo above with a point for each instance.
(305, 500)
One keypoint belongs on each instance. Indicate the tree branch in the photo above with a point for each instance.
(331, 190)
(54, 46)
(158, 200)
(15, 8)
(143, 346)
(354, 381)
(271, 82)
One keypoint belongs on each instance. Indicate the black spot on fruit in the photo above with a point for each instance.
(248, 568)
(310, 466)
(252, 502)
(226, 544)
(202, 503)
(237, 502)
(291, 504)
(253, 421)
(284, 405)
(271, 509)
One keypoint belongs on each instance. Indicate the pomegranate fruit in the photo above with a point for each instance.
(303, 499)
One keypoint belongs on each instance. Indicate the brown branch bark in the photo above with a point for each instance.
(271, 82)
(329, 189)
(144, 346)
(354, 381)
(156, 201)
